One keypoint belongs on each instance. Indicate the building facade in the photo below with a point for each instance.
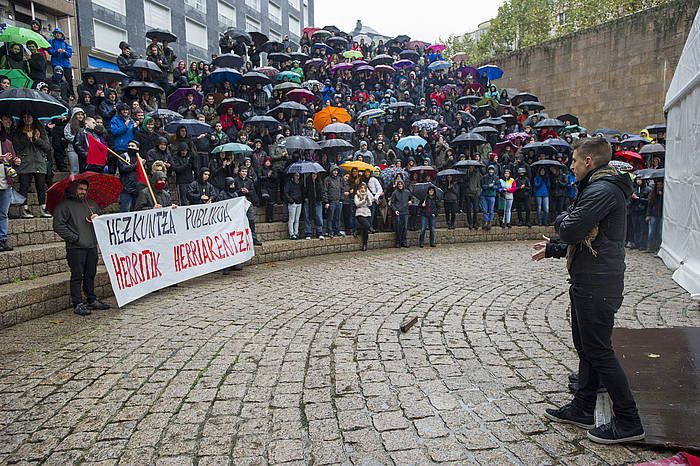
(197, 24)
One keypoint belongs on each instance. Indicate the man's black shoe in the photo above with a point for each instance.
(613, 432)
(82, 310)
(98, 305)
(257, 242)
(570, 414)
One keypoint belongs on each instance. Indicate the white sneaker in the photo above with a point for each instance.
(321, 237)
(342, 233)
(308, 237)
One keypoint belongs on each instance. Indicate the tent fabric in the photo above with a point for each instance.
(680, 249)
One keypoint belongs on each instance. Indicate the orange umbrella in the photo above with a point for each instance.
(326, 116)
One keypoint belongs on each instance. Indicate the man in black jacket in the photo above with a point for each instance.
(159, 185)
(72, 221)
(246, 187)
(200, 191)
(592, 238)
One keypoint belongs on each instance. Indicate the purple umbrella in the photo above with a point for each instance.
(519, 135)
(468, 70)
(364, 68)
(179, 97)
(341, 67)
(403, 64)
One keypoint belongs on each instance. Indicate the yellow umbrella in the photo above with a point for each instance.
(359, 164)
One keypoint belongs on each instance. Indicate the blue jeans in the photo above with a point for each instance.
(425, 223)
(507, 210)
(313, 213)
(487, 205)
(4, 208)
(334, 211)
(126, 202)
(542, 209)
(401, 229)
(654, 237)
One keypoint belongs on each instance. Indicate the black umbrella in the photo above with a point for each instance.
(143, 86)
(409, 55)
(332, 29)
(278, 56)
(262, 121)
(451, 171)
(548, 163)
(401, 38)
(469, 139)
(550, 123)
(531, 105)
(468, 100)
(165, 115)
(146, 65)
(335, 145)
(382, 59)
(253, 77)
(485, 130)
(258, 38)
(161, 35)
(104, 75)
(194, 127)
(239, 105)
(237, 35)
(228, 60)
(651, 173)
(299, 143)
(302, 57)
(570, 118)
(420, 190)
(305, 167)
(272, 46)
(656, 128)
(337, 42)
(288, 107)
(524, 97)
(18, 101)
(468, 163)
(314, 62)
(492, 122)
(651, 149)
(607, 131)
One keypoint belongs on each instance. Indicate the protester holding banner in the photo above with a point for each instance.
(159, 185)
(72, 221)
(245, 187)
(128, 174)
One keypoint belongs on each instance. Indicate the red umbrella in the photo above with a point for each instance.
(298, 95)
(104, 189)
(629, 156)
(269, 71)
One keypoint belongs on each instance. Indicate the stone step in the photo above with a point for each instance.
(25, 299)
(23, 232)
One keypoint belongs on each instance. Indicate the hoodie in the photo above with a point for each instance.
(593, 229)
(69, 220)
(199, 187)
(59, 43)
(163, 197)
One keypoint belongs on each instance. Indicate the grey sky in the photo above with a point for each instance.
(422, 20)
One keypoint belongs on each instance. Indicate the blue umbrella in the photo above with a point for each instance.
(304, 167)
(220, 75)
(492, 71)
(439, 65)
(559, 144)
(412, 142)
(165, 115)
(633, 141)
(194, 127)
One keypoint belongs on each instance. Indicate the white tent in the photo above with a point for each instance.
(680, 249)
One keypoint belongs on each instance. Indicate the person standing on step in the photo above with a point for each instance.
(33, 147)
(363, 212)
(72, 221)
(592, 235)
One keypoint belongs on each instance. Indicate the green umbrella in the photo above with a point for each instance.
(232, 147)
(18, 35)
(18, 78)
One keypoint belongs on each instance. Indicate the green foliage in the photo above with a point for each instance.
(523, 23)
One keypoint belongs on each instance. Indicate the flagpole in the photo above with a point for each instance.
(117, 155)
(139, 160)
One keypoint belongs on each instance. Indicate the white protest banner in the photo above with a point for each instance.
(152, 249)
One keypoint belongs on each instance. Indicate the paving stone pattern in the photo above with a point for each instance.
(301, 362)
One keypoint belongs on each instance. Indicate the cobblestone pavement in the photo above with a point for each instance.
(259, 367)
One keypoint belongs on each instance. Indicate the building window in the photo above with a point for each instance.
(294, 4)
(199, 5)
(227, 14)
(306, 14)
(196, 34)
(274, 35)
(156, 15)
(294, 26)
(275, 13)
(252, 24)
(115, 5)
(108, 37)
(254, 4)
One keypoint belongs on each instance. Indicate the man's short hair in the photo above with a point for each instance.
(598, 149)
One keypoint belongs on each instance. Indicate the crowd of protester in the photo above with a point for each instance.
(412, 116)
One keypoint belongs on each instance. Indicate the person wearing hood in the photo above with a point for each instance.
(160, 152)
(125, 59)
(268, 187)
(32, 144)
(159, 184)
(334, 201)
(314, 197)
(184, 168)
(108, 107)
(245, 187)
(122, 128)
(294, 197)
(128, 175)
(61, 51)
(429, 211)
(72, 221)
(490, 184)
(37, 62)
(364, 154)
(521, 197)
(399, 202)
(189, 109)
(58, 86)
(542, 185)
(76, 122)
(146, 135)
(182, 135)
(85, 100)
(221, 166)
(201, 191)
(592, 238)
(90, 86)
(15, 59)
(508, 187)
